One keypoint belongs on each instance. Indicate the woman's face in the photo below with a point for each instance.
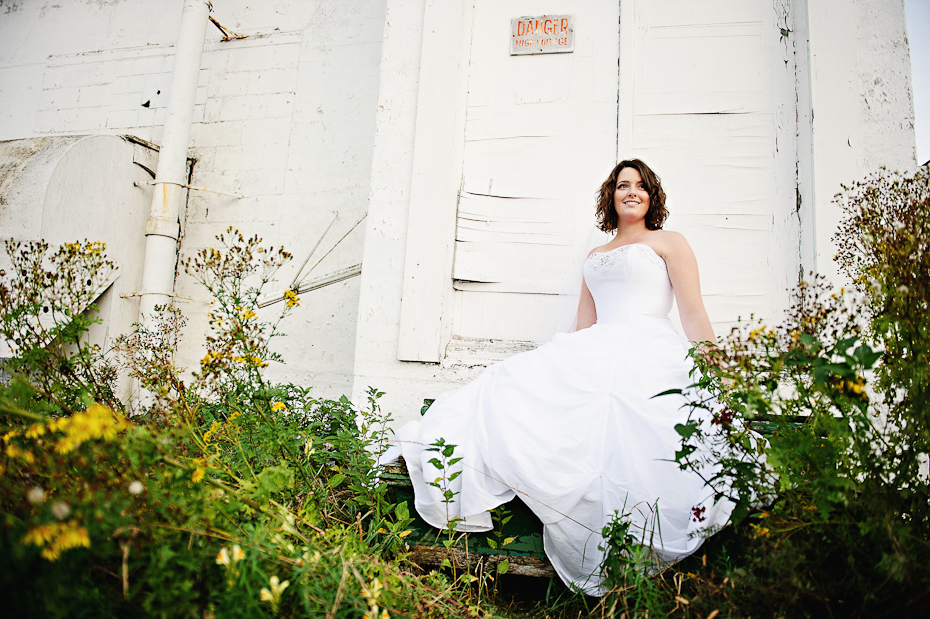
(631, 198)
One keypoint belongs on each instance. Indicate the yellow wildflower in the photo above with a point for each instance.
(35, 431)
(214, 427)
(273, 596)
(98, 421)
(372, 593)
(225, 557)
(197, 477)
(247, 315)
(291, 299)
(14, 451)
(278, 406)
(57, 537)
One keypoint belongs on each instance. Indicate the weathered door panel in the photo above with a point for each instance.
(540, 134)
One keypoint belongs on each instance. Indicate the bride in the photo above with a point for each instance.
(572, 427)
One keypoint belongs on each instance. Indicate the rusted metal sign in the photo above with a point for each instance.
(543, 34)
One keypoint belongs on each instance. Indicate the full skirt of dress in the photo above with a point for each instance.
(575, 430)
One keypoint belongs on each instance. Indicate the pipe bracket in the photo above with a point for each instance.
(162, 227)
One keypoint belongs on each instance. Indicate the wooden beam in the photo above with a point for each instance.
(437, 165)
(520, 565)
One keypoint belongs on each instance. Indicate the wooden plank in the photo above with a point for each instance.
(477, 232)
(483, 352)
(735, 153)
(513, 220)
(519, 287)
(665, 13)
(519, 565)
(512, 262)
(437, 157)
(483, 314)
(513, 209)
(531, 120)
(526, 553)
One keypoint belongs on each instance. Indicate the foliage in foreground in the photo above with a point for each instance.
(226, 496)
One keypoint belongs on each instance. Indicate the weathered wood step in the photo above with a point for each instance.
(525, 554)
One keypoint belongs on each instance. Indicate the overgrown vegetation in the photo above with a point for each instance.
(228, 495)
(225, 496)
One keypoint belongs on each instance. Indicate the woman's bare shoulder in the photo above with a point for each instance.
(669, 243)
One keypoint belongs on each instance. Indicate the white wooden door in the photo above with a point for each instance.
(540, 136)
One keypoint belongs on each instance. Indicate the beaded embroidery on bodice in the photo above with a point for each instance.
(604, 260)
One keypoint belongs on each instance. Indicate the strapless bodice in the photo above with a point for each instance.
(627, 282)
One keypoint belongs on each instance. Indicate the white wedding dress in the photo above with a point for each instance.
(573, 429)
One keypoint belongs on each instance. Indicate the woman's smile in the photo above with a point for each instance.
(631, 196)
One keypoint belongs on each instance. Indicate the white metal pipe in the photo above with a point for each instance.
(162, 229)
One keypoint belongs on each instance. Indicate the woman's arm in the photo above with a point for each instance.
(683, 273)
(587, 313)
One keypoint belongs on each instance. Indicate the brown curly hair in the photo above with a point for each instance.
(607, 214)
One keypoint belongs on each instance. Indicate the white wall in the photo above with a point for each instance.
(284, 117)
(751, 111)
(862, 114)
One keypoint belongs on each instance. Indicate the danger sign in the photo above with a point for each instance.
(545, 34)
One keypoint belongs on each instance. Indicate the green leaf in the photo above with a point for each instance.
(492, 544)
(503, 566)
(686, 430)
(509, 540)
(866, 356)
(684, 452)
(821, 372)
(335, 480)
